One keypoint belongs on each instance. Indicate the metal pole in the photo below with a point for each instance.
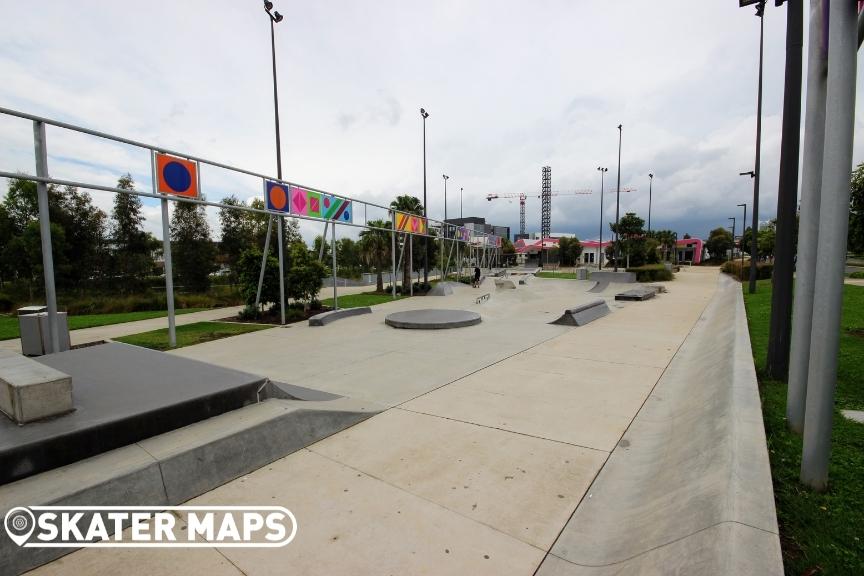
(166, 257)
(264, 261)
(323, 242)
(393, 253)
(777, 364)
(281, 241)
(618, 200)
(650, 191)
(333, 249)
(754, 241)
(600, 249)
(741, 244)
(409, 240)
(41, 148)
(460, 205)
(808, 227)
(834, 224)
(425, 238)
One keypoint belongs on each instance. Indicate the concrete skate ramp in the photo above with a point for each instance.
(688, 488)
(637, 294)
(331, 316)
(441, 289)
(599, 287)
(612, 276)
(581, 315)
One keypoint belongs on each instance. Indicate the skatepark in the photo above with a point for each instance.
(626, 445)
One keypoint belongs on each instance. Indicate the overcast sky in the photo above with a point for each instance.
(510, 86)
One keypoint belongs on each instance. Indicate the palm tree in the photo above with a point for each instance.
(411, 205)
(375, 248)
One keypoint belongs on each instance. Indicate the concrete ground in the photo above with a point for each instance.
(490, 438)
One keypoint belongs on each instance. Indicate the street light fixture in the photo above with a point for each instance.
(460, 203)
(600, 248)
(732, 251)
(445, 195)
(425, 115)
(741, 246)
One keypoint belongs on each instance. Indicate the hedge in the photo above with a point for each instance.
(733, 268)
(652, 273)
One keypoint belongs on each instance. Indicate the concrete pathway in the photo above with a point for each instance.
(492, 437)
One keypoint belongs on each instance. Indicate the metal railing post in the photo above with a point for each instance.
(41, 147)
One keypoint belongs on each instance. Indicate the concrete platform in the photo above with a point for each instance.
(611, 276)
(122, 394)
(331, 316)
(432, 319)
(581, 315)
(637, 294)
(505, 284)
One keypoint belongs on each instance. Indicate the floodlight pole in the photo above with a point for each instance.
(333, 250)
(650, 191)
(618, 201)
(834, 226)
(600, 249)
(754, 241)
(393, 253)
(41, 147)
(425, 115)
(741, 245)
(808, 227)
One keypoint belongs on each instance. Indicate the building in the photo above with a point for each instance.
(479, 225)
(690, 250)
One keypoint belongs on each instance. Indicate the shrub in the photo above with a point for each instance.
(250, 312)
(733, 268)
(652, 273)
(859, 274)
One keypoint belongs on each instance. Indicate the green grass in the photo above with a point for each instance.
(190, 334)
(362, 299)
(9, 324)
(557, 275)
(821, 531)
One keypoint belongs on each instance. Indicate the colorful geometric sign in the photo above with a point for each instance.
(305, 202)
(335, 208)
(463, 234)
(276, 196)
(410, 223)
(176, 176)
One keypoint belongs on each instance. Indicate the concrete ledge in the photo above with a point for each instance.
(619, 277)
(583, 314)
(172, 468)
(505, 284)
(327, 317)
(32, 391)
(688, 488)
(599, 287)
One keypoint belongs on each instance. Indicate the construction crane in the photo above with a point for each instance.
(522, 197)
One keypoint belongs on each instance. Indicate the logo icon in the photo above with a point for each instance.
(19, 523)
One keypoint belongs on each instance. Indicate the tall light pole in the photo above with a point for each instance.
(732, 251)
(460, 202)
(600, 248)
(275, 17)
(425, 115)
(650, 190)
(741, 246)
(445, 195)
(618, 200)
(754, 244)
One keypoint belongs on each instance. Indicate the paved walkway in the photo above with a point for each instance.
(492, 437)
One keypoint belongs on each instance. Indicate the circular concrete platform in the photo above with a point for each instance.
(432, 319)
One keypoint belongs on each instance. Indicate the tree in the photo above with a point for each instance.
(131, 259)
(304, 275)
(667, 241)
(719, 242)
(238, 232)
(193, 253)
(411, 205)
(570, 249)
(856, 212)
(374, 248)
(248, 270)
(631, 238)
(766, 239)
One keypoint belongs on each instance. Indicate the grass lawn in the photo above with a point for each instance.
(558, 275)
(190, 334)
(821, 533)
(362, 299)
(9, 324)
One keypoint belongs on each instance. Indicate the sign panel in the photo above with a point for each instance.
(305, 202)
(276, 196)
(410, 223)
(335, 208)
(463, 234)
(176, 176)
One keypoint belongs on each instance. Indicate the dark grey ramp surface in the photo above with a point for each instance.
(581, 315)
(598, 287)
(121, 394)
(432, 319)
(441, 289)
(331, 316)
(612, 276)
(637, 294)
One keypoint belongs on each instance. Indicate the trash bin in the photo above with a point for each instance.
(33, 325)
